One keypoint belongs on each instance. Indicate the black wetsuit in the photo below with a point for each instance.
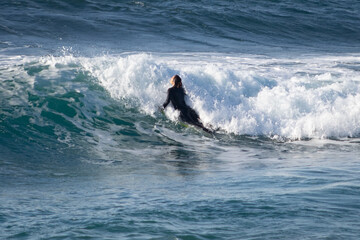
(177, 98)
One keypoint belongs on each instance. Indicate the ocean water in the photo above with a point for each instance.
(85, 153)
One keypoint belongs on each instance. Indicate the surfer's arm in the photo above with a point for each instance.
(167, 99)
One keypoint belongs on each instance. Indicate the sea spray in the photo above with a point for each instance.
(295, 98)
(308, 97)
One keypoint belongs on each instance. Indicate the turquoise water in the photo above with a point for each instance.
(85, 153)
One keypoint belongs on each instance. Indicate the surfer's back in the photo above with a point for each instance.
(177, 97)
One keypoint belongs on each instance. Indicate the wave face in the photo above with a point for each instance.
(297, 98)
(173, 26)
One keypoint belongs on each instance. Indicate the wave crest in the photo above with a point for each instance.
(295, 98)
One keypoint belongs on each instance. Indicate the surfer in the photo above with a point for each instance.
(176, 95)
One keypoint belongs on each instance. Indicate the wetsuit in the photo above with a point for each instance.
(177, 98)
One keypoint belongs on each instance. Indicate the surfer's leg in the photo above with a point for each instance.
(191, 117)
(183, 117)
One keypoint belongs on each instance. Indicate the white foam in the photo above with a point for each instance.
(303, 97)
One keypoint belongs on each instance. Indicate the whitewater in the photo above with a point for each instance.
(296, 98)
(85, 152)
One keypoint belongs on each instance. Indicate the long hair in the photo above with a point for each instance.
(177, 81)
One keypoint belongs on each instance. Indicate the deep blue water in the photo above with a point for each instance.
(85, 153)
(181, 26)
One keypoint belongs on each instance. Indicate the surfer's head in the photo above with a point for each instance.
(176, 81)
